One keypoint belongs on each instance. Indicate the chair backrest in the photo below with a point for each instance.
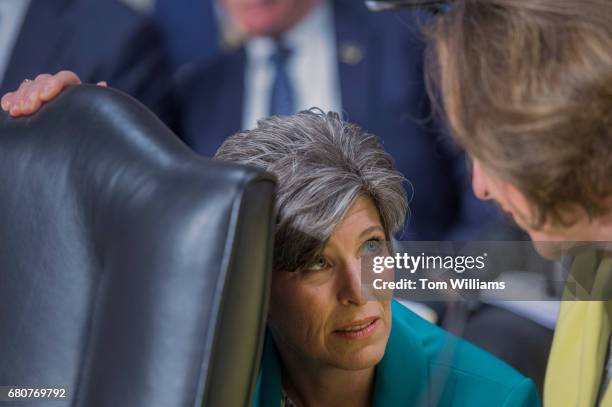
(131, 270)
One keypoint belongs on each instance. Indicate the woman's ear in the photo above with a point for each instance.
(480, 181)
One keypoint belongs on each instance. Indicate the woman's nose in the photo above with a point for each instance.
(479, 184)
(350, 290)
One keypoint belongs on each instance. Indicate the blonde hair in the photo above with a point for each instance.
(526, 87)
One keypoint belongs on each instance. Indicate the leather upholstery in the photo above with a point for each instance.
(131, 270)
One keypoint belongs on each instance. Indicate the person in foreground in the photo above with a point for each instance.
(340, 199)
(526, 88)
(329, 343)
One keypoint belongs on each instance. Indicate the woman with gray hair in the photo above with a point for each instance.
(329, 341)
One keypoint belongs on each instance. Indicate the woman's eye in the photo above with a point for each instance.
(320, 263)
(372, 246)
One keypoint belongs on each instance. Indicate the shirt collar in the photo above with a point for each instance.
(309, 27)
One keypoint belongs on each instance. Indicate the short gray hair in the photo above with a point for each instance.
(323, 164)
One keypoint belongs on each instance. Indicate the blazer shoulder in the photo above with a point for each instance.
(461, 372)
(95, 15)
(404, 23)
(472, 374)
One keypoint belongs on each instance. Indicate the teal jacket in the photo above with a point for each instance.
(423, 366)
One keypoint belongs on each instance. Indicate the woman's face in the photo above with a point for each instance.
(487, 186)
(320, 315)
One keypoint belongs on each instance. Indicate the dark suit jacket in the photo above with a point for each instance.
(97, 39)
(189, 28)
(384, 92)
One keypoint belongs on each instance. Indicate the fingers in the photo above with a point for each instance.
(17, 102)
(102, 84)
(67, 78)
(24, 100)
(52, 86)
(31, 94)
(6, 101)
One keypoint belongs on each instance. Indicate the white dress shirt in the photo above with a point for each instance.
(12, 13)
(312, 67)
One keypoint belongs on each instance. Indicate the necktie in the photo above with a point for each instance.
(281, 93)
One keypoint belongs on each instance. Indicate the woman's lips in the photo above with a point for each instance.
(359, 329)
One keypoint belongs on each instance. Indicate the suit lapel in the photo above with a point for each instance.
(355, 51)
(40, 41)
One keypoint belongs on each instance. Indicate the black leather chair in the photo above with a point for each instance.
(131, 270)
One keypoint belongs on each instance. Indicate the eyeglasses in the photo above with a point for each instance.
(380, 5)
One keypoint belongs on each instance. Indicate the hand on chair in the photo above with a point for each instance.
(32, 94)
